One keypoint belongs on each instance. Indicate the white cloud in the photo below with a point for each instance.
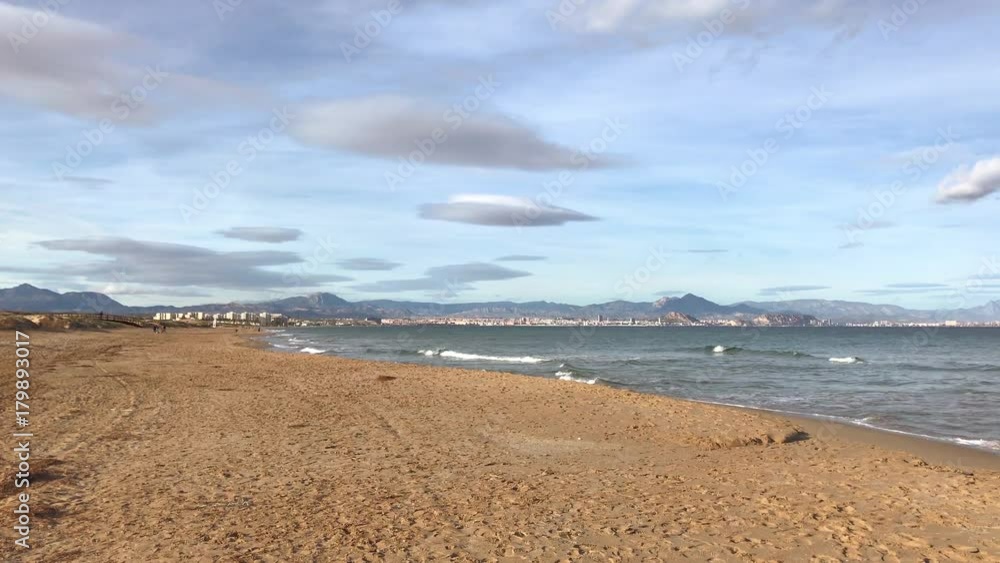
(791, 289)
(262, 234)
(969, 184)
(500, 211)
(398, 127)
(178, 265)
(88, 70)
(368, 264)
(744, 16)
(446, 279)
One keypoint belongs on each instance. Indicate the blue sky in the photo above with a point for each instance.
(189, 151)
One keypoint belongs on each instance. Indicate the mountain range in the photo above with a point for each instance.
(27, 298)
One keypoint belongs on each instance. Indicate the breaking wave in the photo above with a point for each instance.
(987, 444)
(464, 356)
(847, 360)
(720, 349)
(568, 376)
(308, 350)
(952, 367)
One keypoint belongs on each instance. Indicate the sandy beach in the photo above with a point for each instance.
(199, 445)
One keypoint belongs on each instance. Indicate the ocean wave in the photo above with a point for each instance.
(568, 376)
(847, 360)
(866, 422)
(987, 444)
(464, 356)
(953, 367)
(721, 349)
(308, 350)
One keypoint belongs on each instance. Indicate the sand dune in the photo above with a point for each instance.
(194, 445)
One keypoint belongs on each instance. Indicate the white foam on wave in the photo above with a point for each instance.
(720, 349)
(865, 422)
(568, 376)
(453, 355)
(847, 360)
(308, 350)
(988, 444)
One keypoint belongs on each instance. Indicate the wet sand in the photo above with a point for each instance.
(194, 445)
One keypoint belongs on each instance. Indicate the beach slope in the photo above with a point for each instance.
(196, 445)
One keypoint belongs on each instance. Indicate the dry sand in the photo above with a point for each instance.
(195, 446)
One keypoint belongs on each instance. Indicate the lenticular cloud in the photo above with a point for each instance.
(500, 211)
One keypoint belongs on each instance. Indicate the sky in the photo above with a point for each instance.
(579, 151)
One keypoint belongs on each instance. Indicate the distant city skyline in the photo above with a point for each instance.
(190, 152)
(688, 309)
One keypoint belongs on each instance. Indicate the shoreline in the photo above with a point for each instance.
(865, 432)
(935, 450)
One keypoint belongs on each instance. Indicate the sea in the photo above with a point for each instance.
(940, 383)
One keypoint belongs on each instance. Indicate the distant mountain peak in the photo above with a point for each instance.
(685, 309)
(697, 306)
(28, 298)
(687, 297)
(327, 298)
(27, 287)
